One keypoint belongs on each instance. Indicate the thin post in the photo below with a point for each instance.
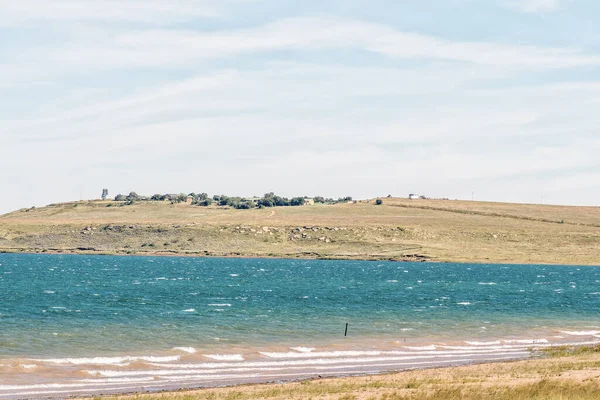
(346, 332)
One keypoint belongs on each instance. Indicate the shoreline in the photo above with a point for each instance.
(234, 255)
(162, 373)
(314, 377)
(298, 256)
(543, 377)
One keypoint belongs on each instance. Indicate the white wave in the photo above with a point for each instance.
(189, 350)
(118, 380)
(28, 366)
(234, 275)
(506, 347)
(464, 303)
(282, 365)
(303, 349)
(49, 291)
(413, 352)
(487, 283)
(526, 341)
(495, 342)
(220, 305)
(430, 347)
(190, 310)
(108, 360)
(581, 333)
(225, 357)
(321, 354)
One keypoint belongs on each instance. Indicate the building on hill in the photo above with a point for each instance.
(309, 202)
(413, 196)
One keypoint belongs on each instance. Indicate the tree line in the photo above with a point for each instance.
(241, 203)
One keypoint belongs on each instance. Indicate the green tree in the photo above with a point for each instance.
(297, 201)
(379, 202)
(204, 203)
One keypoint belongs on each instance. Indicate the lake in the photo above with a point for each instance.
(88, 324)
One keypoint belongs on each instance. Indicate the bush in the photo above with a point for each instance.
(378, 202)
(120, 197)
(224, 201)
(297, 201)
(244, 205)
(204, 203)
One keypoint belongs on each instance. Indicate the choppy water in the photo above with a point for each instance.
(128, 322)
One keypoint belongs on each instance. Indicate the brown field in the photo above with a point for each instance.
(400, 229)
(565, 377)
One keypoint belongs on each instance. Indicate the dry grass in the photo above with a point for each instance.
(399, 229)
(555, 378)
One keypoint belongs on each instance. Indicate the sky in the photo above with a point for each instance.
(492, 99)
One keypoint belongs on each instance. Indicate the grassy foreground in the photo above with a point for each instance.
(400, 229)
(565, 377)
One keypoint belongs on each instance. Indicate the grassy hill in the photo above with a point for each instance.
(400, 229)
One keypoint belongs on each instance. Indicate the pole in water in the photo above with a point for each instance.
(346, 332)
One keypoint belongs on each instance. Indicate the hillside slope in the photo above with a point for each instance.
(400, 229)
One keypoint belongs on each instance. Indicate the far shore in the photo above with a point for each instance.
(420, 259)
(299, 256)
(397, 230)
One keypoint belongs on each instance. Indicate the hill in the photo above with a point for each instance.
(399, 229)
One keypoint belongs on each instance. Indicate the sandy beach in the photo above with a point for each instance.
(562, 376)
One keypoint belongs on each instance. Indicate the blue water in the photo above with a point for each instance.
(70, 305)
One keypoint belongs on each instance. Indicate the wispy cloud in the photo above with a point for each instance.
(91, 50)
(16, 13)
(329, 33)
(535, 6)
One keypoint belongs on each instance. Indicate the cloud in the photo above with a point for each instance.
(306, 34)
(17, 13)
(535, 6)
(91, 51)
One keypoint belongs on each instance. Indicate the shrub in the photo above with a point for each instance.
(379, 202)
(297, 201)
(204, 203)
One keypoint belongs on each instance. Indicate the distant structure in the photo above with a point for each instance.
(189, 200)
(104, 194)
(413, 196)
(309, 202)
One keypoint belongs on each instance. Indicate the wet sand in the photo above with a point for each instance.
(187, 368)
